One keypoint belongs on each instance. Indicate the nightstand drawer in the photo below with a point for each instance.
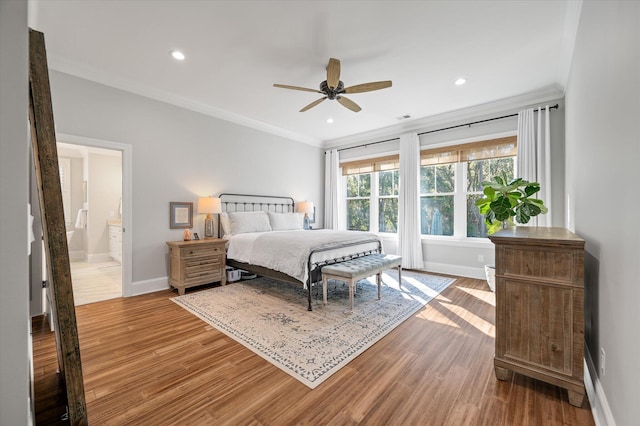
(187, 252)
(208, 262)
(207, 266)
(202, 277)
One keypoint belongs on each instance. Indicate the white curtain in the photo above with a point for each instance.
(409, 244)
(331, 188)
(534, 156)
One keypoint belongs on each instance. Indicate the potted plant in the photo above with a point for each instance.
(505, 204)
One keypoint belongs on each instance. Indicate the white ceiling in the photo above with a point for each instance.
(236, 50)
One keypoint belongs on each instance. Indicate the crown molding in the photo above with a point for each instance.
(97, 76)
(481, 111)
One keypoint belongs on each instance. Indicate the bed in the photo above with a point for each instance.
(265, 236)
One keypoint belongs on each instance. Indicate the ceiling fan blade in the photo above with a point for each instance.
(312, 104)
(348, 103)
(304, 89)
(333, 73)
(368, 87)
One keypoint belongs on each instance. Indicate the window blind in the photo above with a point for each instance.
(370, 165)
(492, 148)
(482, 150)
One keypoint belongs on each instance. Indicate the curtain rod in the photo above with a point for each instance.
(440, 130)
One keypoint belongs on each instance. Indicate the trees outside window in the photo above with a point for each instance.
(358, 201)
(372, 201)
(388, 182)
(437, 188)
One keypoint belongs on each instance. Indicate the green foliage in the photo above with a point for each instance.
(477, 172)
(505, 201)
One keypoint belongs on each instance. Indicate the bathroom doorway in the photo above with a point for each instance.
(93, 179)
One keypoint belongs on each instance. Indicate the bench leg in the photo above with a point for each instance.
(400, 276)
(324, 290)
(352, 284)
(379, 280)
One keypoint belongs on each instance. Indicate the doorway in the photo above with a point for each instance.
(96, 201)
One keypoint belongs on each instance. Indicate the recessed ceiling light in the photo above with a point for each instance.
(329, 120)
(460, 81)
(177, 55)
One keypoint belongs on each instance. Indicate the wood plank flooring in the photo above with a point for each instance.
(146, 361)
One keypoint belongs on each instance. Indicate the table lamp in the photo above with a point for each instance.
(305, 207)
(208, 205)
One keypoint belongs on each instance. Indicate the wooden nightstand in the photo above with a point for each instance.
(193, 263)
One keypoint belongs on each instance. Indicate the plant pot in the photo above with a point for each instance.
(490, 271)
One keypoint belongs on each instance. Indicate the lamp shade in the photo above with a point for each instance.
(305, 207)
(209, 205)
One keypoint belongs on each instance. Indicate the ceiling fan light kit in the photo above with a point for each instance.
(332, 88)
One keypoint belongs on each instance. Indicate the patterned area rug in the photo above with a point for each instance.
(270, 317)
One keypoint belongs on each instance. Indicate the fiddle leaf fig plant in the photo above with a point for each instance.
(504, 202)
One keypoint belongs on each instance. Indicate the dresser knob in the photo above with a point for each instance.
(554, 347)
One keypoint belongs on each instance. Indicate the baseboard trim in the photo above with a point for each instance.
(462, 271)
(149, 286)
(600, 409)
(77, 255)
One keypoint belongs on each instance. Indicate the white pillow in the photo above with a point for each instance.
(286, 221)
(242, 222)
(225, 224)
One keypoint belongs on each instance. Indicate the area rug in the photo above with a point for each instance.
(270, 318)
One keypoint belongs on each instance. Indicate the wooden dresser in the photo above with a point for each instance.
(540, 306)
(193, 263)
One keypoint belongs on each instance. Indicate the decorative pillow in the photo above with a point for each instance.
(242, 222)
(286, 221)
(225, 223)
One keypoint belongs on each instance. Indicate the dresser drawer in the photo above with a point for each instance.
(557, 265)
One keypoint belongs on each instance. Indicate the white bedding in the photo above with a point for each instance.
(288, 251)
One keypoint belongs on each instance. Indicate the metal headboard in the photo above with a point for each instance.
(253, 203)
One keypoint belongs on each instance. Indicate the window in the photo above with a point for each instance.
(388, 201)
(372, 194)
(438, 173)
(358, 201)
(451, 181)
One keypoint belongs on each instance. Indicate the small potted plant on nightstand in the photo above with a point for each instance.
(506, 204)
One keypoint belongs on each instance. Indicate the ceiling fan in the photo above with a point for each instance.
(332, 88)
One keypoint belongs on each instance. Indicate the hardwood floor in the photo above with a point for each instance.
(147, 361)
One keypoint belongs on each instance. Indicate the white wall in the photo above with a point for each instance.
(180, 155)
(603, 153)
(104, 189)
(14, 191)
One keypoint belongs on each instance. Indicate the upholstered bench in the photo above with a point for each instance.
(351, 271)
